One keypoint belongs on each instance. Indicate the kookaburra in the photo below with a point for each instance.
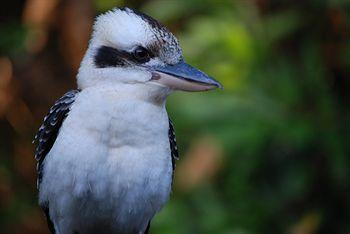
(106, 151)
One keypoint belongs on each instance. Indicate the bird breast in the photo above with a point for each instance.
(111, 159)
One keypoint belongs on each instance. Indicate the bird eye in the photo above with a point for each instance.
(141, 54)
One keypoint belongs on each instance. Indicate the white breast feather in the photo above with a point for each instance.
(110, 163)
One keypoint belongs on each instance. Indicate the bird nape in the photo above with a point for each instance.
(106, 151)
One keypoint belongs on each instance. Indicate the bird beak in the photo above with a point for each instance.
(182, 76)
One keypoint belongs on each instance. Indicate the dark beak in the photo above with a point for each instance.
(182, 76)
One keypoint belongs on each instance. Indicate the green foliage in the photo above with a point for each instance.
(12, 36)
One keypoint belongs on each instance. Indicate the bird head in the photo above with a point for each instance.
(130, 48)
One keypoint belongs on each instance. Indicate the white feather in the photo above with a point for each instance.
(111, 161)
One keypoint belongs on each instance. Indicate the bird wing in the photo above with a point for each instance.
(174, 156)
(47, 134)
(173, 146)
(48, 131)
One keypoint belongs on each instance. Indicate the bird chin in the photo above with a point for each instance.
(177, 83)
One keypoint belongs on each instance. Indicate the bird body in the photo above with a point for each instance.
(106, 152)
(111, 153)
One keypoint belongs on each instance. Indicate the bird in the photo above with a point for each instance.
(106, 150)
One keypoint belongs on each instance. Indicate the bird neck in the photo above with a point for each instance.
(149, 93)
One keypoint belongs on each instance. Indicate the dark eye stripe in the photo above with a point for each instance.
(110, 57)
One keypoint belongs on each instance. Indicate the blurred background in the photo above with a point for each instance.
(268, 154)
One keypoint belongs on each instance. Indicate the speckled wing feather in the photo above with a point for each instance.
(174, 154)
(46, 136)
(173, 146)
